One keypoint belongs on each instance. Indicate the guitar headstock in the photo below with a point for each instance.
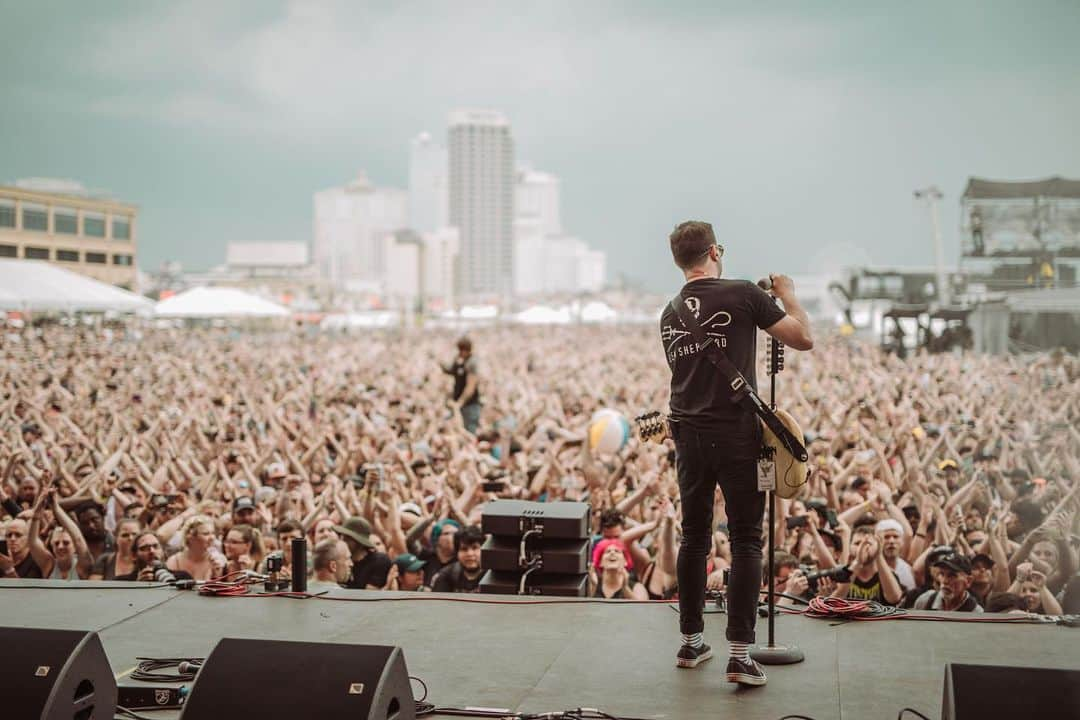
(652, 426)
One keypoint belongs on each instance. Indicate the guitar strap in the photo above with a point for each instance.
(742, 393)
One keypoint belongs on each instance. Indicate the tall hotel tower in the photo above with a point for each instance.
(481, 153)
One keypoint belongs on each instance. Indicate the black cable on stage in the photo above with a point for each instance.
(124, 713)
(148, 669)
(914, 712)
(422, 708)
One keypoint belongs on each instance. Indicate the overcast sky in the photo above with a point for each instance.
(799, 131)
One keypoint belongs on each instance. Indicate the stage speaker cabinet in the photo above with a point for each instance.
(559, 520)
(989, 692)
(276, 679)
(53, 674)
(509, 583)
(569, 557)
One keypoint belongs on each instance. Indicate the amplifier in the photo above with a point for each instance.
(556, 556)
(507, 583)
(556, 521)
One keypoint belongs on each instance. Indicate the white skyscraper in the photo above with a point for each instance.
(481, 161)
(536, 195)
(441, 249)
(428, 191)
(545, 260)
(350, 224)
(530, 257)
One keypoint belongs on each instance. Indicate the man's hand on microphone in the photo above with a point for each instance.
(782, 286)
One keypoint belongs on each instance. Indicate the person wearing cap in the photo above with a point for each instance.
(982, 577)
(243, 511)
(407, 574)
(950, 470)
(275, 474)
(954, 577)
(891, 534)
(369, 567)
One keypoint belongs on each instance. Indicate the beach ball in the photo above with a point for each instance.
(608, 431)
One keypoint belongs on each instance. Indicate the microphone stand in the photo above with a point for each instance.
(774, 654)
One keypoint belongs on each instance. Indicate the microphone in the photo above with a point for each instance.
(765, 284)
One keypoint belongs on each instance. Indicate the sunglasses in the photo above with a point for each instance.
(719, 250)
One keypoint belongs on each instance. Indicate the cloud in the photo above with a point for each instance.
(339, 67)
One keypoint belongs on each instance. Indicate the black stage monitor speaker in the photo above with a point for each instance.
(557, 520)
(279, 680)
(509, 583)
(989, 692)
(54, 674)
(570, 557)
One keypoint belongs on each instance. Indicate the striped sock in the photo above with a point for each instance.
(740, 651)
(695, 640)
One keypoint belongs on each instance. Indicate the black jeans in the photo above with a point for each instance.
(727, 458)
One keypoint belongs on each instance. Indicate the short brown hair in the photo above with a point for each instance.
(690, 241)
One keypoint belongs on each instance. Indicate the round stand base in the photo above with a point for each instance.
(777, 654)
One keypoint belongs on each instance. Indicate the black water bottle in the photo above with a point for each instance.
(299, 564)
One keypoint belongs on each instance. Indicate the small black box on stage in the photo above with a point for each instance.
(137, 696)
(509, 583)
(570, 557)
(559, 520)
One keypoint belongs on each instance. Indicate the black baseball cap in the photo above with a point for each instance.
(955, 562)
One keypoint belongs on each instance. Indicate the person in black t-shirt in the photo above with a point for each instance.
(370, 567)
(18, 563)
(871, 576)
(466, 393)
(717, 442)
(464, 574)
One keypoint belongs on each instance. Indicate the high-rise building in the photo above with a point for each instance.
(481, 161)
(536, 195)
(428, 192)
(350, 225)
(441, 249)
(545, 260)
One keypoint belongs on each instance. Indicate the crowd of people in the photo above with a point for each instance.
(939, 482)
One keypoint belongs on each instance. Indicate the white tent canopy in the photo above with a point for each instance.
(543, 315)
(218, 302)
(37, 286)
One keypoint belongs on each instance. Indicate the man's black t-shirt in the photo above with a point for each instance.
(869, 590)
(28, 568)
(372, 570)
(452, 579)
(461, 370)
(731, 311)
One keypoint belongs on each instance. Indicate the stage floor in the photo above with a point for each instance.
(545, 656)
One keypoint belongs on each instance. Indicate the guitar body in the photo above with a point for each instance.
(790, 471)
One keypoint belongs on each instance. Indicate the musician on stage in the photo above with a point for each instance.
(716, 441)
